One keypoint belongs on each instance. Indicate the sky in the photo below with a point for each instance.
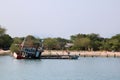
(60, 18)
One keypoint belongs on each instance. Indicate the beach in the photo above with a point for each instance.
(4, 52)
(80, 53)
(83, 53)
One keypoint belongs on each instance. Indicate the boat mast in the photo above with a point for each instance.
(23, 43)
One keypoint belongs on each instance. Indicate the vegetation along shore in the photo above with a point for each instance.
(79, 44)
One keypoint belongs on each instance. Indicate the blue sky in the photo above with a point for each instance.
(60, 18)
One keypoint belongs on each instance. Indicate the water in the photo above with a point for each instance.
(82, 69)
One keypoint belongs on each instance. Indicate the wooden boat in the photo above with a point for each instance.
(17, 56)
(29, 52)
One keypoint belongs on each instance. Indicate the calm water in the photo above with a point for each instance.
(81, 69)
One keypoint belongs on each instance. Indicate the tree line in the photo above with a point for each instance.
(5, 39)
(93, 42)
(85, 42)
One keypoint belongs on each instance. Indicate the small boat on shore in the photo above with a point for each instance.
(28, 53)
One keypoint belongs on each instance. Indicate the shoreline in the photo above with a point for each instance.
(83, 53)
(79, 53)
(4, 52)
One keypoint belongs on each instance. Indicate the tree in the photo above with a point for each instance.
(81, 43)
(96, 41)
(17, 40)
(2, 31)
(116, 39)
(61, 43)
(1, 42)
(31, 41)
(50, 43)
(7, 41)
(73, 37)
(112, 44)
(15, 46)
(117, 36)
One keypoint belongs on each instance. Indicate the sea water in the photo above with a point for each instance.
(88, 68)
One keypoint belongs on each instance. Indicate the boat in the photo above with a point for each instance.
(29, 52)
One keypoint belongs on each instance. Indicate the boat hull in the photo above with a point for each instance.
(17, 56)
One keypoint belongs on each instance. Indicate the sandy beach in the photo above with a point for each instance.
(4, 52)
(84, 53)
(80, 53)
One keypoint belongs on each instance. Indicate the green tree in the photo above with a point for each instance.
(1, 42)
(96, 41)
(73, 37)
(17, 40)
(31, 41)
(61, 42)
(117, 36)
(112, 44)
(81, 43)
(7, 41)
(50, 43)
(15, 47)
(2, 31)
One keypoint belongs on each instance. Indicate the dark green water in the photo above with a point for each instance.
(82, 69)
